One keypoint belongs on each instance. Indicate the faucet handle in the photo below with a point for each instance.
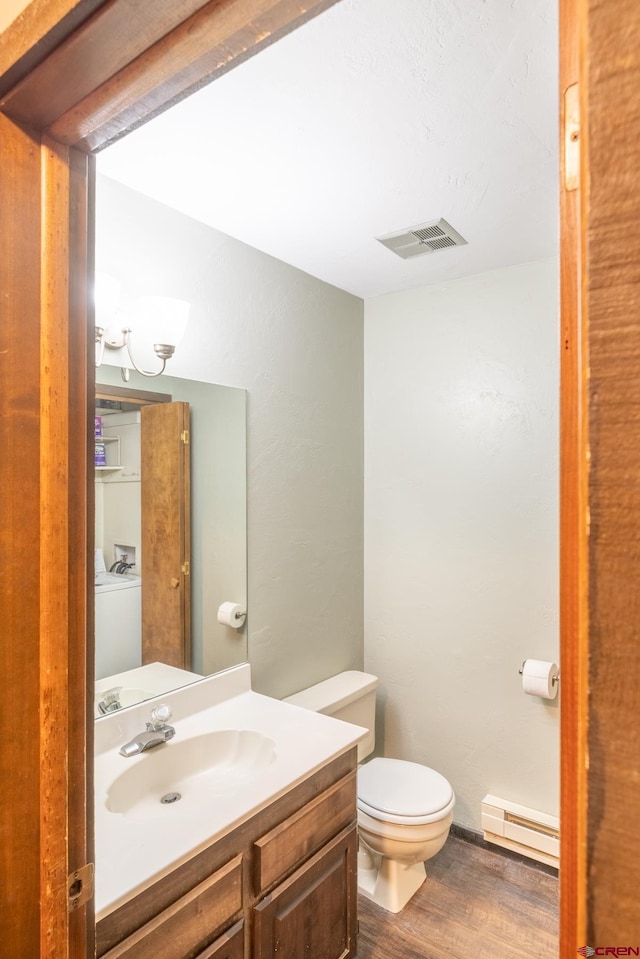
(160, 713)
(110, 701)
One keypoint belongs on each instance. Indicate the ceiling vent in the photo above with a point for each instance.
(426, 238)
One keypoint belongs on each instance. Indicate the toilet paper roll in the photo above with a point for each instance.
(231, 614)
(540, 678)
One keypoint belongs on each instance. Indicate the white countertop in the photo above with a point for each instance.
(132, 853)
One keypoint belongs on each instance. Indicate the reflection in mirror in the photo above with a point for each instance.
(157, 628)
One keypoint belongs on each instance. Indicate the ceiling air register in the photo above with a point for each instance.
(422, 239)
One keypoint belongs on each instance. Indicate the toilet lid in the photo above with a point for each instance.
(402, 791)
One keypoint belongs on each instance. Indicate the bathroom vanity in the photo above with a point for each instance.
(282, 883)
(269, 870)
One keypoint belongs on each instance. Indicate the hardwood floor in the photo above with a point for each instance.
(475, 902)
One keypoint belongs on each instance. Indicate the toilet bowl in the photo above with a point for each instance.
(405, 809)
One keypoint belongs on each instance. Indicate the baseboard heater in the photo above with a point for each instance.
(527, 831)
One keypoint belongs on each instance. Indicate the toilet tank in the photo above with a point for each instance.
(350, 696)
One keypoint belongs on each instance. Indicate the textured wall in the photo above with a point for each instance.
(461, 517)
(296, 344)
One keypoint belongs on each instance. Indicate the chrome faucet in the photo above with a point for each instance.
(157, 732)
(110, 701)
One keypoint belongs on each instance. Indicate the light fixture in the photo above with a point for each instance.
(160, 320)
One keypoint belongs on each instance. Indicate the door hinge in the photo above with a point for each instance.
(184, 436)
(572, 137)
(185, 568)
(80, 886)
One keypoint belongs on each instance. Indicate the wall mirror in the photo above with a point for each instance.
(171, 547)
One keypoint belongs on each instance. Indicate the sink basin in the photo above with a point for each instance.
(197, 770)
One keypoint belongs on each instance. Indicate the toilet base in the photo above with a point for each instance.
(388, 882)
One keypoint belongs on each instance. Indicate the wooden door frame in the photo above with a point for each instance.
(573, 502)
(108, 79)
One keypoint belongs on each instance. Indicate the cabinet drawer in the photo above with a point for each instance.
(294, 840)
(313, 912)
(228, 946)
(185, 928)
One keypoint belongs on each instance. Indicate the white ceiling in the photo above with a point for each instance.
(376, 116)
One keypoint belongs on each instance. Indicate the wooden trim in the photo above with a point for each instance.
(20, 541)
(54, 484)
(207, 45)
(36, 32)
(139, 74)
(81, 539)
(574, 618)
(122, 32)
(44, 539)
(127, 395)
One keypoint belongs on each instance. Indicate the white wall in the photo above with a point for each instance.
(296, 344)
(461, 528)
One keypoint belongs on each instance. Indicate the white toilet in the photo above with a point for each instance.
(405, 809)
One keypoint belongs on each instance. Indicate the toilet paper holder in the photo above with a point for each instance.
(554, 679)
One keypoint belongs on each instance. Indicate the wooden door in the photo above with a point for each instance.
(166, 534)
(313, 913)
(610, 326)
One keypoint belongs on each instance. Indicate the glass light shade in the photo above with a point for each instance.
(107, 297)
(163, 318)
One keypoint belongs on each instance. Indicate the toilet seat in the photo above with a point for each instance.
(398, 791)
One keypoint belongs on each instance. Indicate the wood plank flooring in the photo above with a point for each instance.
(475, 902)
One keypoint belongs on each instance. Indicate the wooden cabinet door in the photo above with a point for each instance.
(166, 534)
(313, 913)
